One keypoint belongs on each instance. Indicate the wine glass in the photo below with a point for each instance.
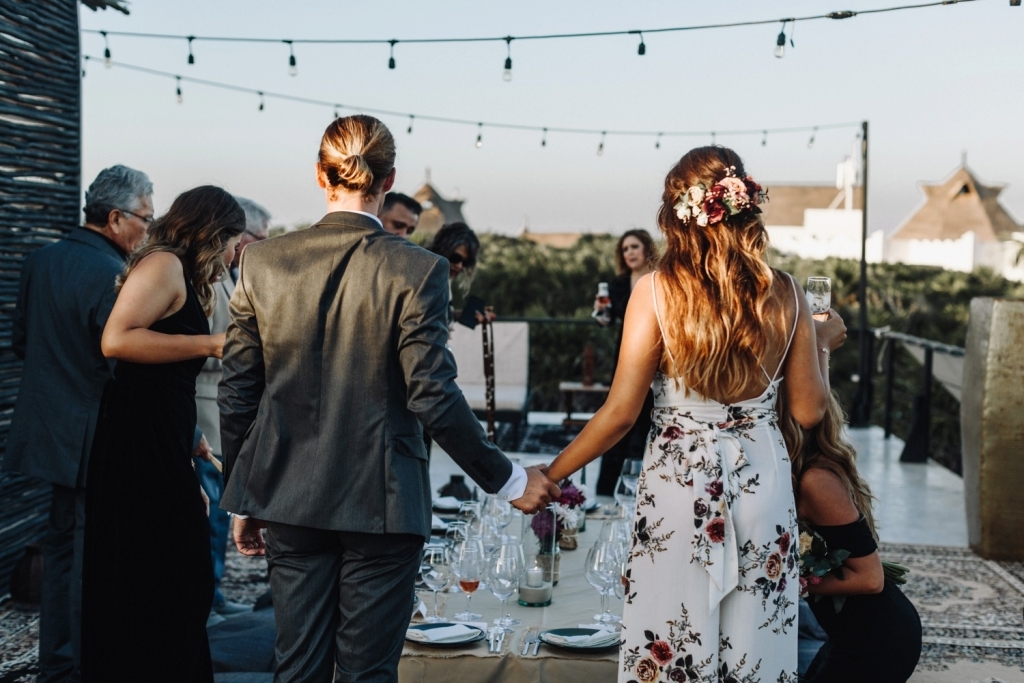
(625, 488)
(469, 572)
(503, 578)
(602, 570)
(498, 511)
(819, 296)
(436, 572)
(455, 536)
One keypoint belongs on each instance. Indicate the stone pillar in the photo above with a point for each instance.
(992, 429)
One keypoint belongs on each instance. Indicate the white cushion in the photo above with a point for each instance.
(511, 364)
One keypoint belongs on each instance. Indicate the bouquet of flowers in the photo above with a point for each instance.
(567, 519)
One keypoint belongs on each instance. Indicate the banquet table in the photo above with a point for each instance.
(574, 602)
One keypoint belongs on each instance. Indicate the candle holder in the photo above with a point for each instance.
(540, 549)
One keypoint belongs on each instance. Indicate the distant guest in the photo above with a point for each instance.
(257, 229)
(65, 296)
(635, 256)
(148, 576)
(400, 214)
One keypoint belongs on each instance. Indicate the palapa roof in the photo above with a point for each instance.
(959, 204)
(437, 210)
(94, 5)
(787, 201)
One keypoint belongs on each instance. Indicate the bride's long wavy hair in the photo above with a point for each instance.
(719, 287)
(195, 229)
(824, 447)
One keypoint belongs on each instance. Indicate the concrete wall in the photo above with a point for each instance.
(992, 429)
(958, 254)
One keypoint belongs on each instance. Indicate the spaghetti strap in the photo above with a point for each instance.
(796, 317)
(661, 328)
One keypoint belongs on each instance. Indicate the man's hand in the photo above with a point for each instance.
(540, 491)
(248, 534)
(203, 450)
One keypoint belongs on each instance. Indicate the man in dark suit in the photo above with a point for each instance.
(334, 358)
(65, 296)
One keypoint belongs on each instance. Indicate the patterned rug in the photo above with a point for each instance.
(971, 610)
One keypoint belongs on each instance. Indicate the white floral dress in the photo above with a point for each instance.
(713, 568)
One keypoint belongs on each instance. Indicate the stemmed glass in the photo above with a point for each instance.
(819, 295)
(503, 571)
(436, 572)
(469, 573)
(625, 487)
(498, 512)
(455, 536)
(603, 570)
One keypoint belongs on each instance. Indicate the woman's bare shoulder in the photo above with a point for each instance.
(824, 499)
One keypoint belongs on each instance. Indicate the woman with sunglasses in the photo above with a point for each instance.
(459, 244)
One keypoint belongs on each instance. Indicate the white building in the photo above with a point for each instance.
(960, 226)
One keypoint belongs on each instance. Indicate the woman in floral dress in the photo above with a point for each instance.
(713, 569)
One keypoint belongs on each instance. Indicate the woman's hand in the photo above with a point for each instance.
(217, 345)
(831, 332)
(600, 313)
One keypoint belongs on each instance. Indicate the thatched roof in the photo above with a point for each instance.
(787, 201)
(119, 5)
(437, 210)
(959, 204)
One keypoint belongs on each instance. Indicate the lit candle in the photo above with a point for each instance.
(535, 577)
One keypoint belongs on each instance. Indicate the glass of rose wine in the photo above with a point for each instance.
(469, 570)
(819, 296)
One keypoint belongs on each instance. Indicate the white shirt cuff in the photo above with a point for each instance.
(240, 516)
(515, 487)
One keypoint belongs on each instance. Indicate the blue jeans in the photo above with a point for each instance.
(213, 483)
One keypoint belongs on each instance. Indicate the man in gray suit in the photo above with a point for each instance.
(334, 359)
(64, 298)
(257, 225)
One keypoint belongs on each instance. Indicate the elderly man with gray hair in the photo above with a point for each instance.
(257, 227)
(65, 295)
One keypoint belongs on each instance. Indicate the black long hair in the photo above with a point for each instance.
(451, 237)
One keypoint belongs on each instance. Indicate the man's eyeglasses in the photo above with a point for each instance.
(145, 219)
(457, 258)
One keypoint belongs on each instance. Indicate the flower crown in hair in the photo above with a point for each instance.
(729, 196)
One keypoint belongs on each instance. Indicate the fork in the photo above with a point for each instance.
(532, 638)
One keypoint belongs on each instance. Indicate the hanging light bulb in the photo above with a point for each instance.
(479, 135)
(106, 50)
(391, 59)
(657, 142)
(544, 138)
(600, 145)
(85, 58)
(780, 43)
(507, 74)
(191, 59)
(642, 48)
(336, 114)
(810, 143)
(409, 129)
(764, 139)
(293, 68)
(178, 90)
(261, 100)
(712, 138)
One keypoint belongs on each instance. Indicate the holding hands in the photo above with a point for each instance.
(540, 491)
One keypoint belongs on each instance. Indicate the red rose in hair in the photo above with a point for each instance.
(661, 651)
(716, 530)
(715, 210)
(753, 189)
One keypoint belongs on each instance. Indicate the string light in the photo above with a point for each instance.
(544, 138)
(391, 59)
(293, 68)
(780, 43)
(600, 145)
(507, 74)
(191, 59)
(178, 89)
(106, 50)
(641, 48)
(814, 132)
(764, 139)
(479, 135)
(261, 100)
(336, 114)
(712, 138)
(657, 142)
(409, 129)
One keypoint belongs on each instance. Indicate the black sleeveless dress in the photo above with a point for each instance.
(147, 574)
(873, 638)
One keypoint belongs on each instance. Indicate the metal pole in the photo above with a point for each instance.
(861, 413)
(890, 370)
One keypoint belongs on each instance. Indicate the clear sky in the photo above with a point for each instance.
(933, 83)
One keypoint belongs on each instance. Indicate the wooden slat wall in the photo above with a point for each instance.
(40, 181)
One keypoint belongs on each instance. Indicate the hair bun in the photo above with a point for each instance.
(353, 173)
(357, 153)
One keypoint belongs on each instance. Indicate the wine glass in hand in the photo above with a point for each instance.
(436, 572)
(819, 296)
(469, 572)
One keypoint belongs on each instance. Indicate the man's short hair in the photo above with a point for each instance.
(392, 198)
(117, 187)
(257, 219)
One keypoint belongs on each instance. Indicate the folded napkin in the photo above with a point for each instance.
(447, 503)
(593, 640)
(445, 634)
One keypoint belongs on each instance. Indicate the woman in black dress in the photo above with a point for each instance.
(876, 635)
(635, 256)
(147, 575)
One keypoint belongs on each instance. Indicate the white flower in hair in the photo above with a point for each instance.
(682, 211)
(695, 195)
(702, 219)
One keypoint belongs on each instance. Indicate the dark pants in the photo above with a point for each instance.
(60, 615)
(342, 599)
(632, 445)
(213, 483)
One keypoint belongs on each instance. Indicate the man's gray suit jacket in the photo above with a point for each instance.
(334, 357)
(64, 298)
